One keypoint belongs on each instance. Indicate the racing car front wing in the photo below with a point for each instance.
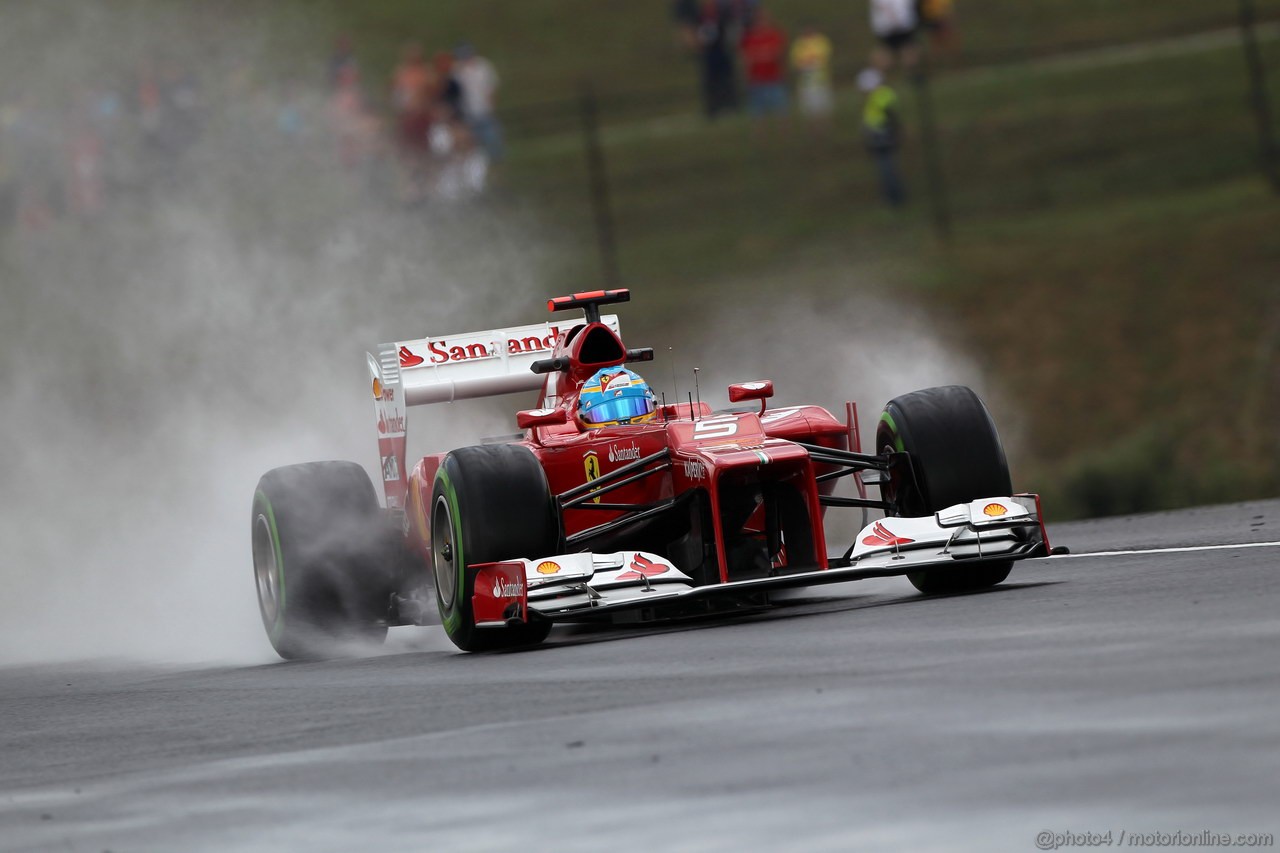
(572, 587)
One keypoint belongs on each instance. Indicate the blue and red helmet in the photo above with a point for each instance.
(615, 396)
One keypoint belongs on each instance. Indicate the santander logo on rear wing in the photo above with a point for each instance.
(448, 368)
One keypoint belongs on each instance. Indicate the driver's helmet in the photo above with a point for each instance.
(615, 396)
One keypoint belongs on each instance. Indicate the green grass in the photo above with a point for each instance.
(692, 201)
(545, 48)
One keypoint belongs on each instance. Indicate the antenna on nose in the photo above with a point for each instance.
(675, 386)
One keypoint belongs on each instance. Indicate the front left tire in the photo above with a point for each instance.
(488, 504)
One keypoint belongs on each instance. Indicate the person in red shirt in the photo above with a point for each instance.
(412, 85)
(764, 51)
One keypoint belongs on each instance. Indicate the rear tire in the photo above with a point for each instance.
(956, 456)
(323, 559)
(489, 504)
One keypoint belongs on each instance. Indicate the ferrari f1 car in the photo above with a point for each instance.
(693, 511)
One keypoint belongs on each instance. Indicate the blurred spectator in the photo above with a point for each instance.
(687, 17)
(34, 147)
(342, 63)
(478, 85)
(719, 25)
(182, 107)
(463, 165)
(811, 61)
(107, 115)
(411, 87)
(764, 48)
(881, 130)
(938, 19)
(85, 175)
(290, 120)
(894, 23)
(167, 105)
(149, 102)
(347, 117)
(449, 91)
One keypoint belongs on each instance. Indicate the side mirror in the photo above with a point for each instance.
(530, 418)
(760, 390)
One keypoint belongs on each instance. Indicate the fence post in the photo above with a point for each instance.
(934, 173)
(598, 178)
(1258, 91)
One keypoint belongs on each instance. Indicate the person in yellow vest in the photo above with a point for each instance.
(811, 63)
(881, 128)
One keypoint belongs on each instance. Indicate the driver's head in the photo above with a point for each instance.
(615, 396)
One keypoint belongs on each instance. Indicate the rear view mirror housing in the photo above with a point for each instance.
(531, 418)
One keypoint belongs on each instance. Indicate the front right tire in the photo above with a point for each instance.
(324, 559)
(956, 456)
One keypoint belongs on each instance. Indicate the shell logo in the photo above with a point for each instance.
(995, 510)
(377, 389)
(548, 567)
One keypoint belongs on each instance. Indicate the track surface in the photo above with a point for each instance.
(1126, 692)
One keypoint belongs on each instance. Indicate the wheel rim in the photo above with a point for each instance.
(266, 570)
(443, 551)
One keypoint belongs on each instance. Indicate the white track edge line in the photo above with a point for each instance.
(1166, 550)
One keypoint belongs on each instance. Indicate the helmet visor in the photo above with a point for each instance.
(618, 409)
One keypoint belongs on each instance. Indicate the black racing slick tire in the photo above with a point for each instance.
(323, 559)
(488, 504)
(956, 456)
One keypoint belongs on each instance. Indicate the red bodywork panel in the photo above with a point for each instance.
(731, 457)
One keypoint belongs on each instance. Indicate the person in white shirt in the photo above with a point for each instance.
(479, 84)
(895, 23)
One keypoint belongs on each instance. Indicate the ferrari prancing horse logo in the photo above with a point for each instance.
(591, 463)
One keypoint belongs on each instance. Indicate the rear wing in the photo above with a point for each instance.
(449, 368)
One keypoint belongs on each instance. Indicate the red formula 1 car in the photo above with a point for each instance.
(689, 512)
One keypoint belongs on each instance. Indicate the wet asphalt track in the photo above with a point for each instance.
(1131, 693)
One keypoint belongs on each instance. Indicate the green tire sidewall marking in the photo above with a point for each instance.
(887, 420)
(453, 619)
(260, 498)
